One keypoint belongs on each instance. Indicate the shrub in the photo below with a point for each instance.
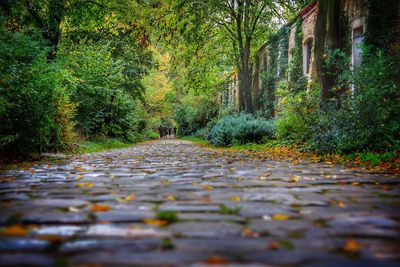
(297, 111)
(241, 129)
(35, 110)
(194, 113)
(104, 107)
(368, 119)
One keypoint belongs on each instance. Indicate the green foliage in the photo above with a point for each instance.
(169, 216)
(35, 111)
(297, 111)
(241, 129)
(223, 209)
(194, 113)
(277, 64)
(369, 119)
(98, 82)
(297, 80)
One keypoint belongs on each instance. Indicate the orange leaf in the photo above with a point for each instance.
(341, 205)
(216, 260)
(155, 222)
(80, 177)
(273, 245)
(79, 169)
(352, 246)
(15, 230)
(100, 208)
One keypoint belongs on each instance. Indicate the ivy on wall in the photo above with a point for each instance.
(297, 80)
(382, 24)
(277, 64)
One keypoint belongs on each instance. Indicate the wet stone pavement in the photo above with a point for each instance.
(173, 203)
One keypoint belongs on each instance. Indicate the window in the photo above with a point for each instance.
(307, 49)
(358, 30)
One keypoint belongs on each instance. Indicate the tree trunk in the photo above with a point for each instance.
(326, 39)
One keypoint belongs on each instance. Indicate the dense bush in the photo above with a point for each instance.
(370, 117)
(241, 129)
(296, 113)
(104, 107)
(35, 111)
(194, 113)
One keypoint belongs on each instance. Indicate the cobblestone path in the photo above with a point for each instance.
(173, 203)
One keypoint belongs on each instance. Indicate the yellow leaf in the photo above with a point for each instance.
(131, 197)
(265, 176)
(80, 177)
(281, 217)
(294, 178)
(155, 222)
(85, 184)
(100, 208)
(207, 187)
(171, 198)
(15, 230)
(236, 198)
(341, 204)
(352, 246)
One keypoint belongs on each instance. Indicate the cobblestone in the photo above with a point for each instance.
(174, 203)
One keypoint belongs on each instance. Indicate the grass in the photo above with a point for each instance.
(196, 140)
(100, 145)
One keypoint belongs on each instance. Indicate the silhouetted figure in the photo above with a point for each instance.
(160, 131)
(174, 131)
(169, 132)
(165, 132)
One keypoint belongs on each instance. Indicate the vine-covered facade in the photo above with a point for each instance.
(289, 56)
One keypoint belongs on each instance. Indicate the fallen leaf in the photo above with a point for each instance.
(100, 208)
(26, 168)
(33, 171)
(131, 197)
(246, 232)
(79, 169)
(73, 209)
(294, 178)
(216, 260)
(171, 198)
(341, 204)
(80, 177)
(155, 222)
(15, 230)
(265, 176)
(235, 198)
(352, 246)
(207, 187)
(273, 245)
(281, 217)
(85, 184)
